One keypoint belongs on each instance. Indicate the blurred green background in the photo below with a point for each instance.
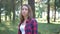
(46, 12)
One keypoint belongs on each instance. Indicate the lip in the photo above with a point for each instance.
(23, 13)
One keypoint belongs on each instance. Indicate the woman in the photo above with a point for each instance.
(28, 25)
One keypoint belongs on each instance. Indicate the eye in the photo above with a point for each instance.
(26, 9)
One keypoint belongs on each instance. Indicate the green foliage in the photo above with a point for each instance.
(58, 3)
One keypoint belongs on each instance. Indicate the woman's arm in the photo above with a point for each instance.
(35, 27)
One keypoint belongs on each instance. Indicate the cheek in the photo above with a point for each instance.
(24, 12)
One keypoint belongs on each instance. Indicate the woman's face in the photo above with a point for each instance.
(24, 11)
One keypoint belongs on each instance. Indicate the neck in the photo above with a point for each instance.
(25, 18)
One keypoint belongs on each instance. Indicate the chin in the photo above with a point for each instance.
(23, 14)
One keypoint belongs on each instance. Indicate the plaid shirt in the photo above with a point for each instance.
(30, 28)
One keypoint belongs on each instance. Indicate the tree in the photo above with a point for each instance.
(55, 12)
(40, 10)
(32, 4)
(58, 3)
(53, 6)
(7, 5)
(0, 9)
(48, 12)
(13, 9)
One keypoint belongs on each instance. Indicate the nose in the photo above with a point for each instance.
(23, 10)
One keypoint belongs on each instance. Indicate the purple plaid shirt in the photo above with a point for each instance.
(30, 28)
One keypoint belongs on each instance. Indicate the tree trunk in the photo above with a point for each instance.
(52, 13)
(0, 14)
(55, 12)
(5, 15)
(32, 4)
(13, 2)
(10, 14)
(0, 11)
(21, 2)
(48, 12)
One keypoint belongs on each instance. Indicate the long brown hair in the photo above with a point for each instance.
(30, 14)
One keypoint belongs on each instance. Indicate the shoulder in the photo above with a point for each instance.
(34, 20)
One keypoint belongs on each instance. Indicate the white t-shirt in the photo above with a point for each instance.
(22, 28)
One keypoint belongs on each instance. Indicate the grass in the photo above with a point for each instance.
(8, 29)
(43, 28)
